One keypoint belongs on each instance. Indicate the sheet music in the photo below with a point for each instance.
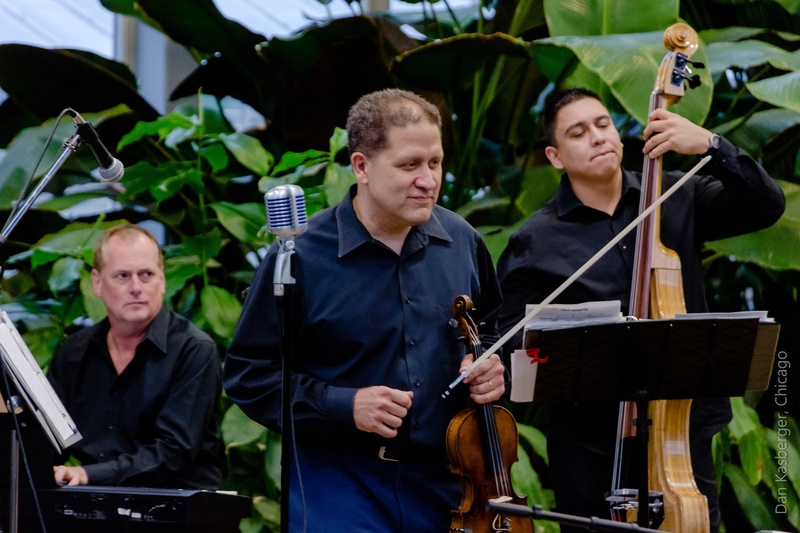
(760, 315)
(572, 315)
(553, 316)
(32, 384)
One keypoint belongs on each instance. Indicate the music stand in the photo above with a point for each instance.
(668, 359)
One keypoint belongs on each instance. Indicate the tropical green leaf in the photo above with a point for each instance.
(338, 141)
(42, 342)
(772, 247)
(602, 17)
(74, 239)
(205, 246)
(748, 54)
(291, 160)
(93, 305)
(216, 156)
(755, 506)
(249, 152)
(178, 271)
(221, 309)
(63, 203)
(65, 272)
(496, 238)
(785, 448)
(338, 180)
(243, 221)
(729, 34)
(628, 64)
(781, 91)
(778, 473)
(452, 63)
(144, 176)
(759, 130)
(238, 429)
(160, 127)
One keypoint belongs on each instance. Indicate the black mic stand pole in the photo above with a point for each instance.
(284, 282)
(592, 524)
(70, 146)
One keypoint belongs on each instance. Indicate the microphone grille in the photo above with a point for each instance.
(286, 210)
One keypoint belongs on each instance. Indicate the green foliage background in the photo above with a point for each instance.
(202, 182)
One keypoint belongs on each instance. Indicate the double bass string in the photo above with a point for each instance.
(569, 281)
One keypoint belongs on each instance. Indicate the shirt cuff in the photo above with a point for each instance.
(101, 473)
(340, 405)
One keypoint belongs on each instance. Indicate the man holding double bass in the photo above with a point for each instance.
(596, 199)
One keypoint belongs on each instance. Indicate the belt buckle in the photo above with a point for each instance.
(382, 455)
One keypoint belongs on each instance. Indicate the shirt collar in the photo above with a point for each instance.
(353, 234)
(156, 331)
(567, 201)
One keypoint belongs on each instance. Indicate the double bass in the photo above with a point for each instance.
(482, 445)
(657, 292)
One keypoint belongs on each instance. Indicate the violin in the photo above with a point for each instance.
(657, 292)
(482, 445)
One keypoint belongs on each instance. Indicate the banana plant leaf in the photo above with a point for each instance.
(775, 247)
(64, 78)
(452, 63)
(628, 64)
(603, 17)
(764, 133)
(781, 91)
(748, 54)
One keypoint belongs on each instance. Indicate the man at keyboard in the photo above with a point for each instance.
(143, 384)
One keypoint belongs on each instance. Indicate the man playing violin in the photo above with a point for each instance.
(375, 276)
(596, 199)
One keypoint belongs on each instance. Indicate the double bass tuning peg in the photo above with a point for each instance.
(693, 81)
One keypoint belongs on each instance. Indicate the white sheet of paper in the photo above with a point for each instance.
(523, 376)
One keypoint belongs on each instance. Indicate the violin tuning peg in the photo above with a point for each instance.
(694, 81)
(697, 64)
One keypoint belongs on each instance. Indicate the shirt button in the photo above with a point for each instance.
(417, 384)
(102, 455)
(412, 342)
(408, 300)
(110, 426)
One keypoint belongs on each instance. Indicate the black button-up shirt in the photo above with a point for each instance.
(157, 423)
(363, 316)
(736, 197)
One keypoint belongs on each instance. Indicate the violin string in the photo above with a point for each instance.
(490, 426)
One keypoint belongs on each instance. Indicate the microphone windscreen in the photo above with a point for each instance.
(286, 210)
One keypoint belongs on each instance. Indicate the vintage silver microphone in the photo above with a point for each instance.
(286, 213)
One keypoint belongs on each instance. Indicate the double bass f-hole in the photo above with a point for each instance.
(482, 445)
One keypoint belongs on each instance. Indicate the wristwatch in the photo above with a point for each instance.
(713, 142)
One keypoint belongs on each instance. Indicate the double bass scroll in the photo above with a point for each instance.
(482, 445)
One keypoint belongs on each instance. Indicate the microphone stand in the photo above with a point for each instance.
(70, 146)
(284, 282)
(592, 524)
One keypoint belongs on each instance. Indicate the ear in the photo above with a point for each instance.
(96, 282)
(359, 162)
(552, 154)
